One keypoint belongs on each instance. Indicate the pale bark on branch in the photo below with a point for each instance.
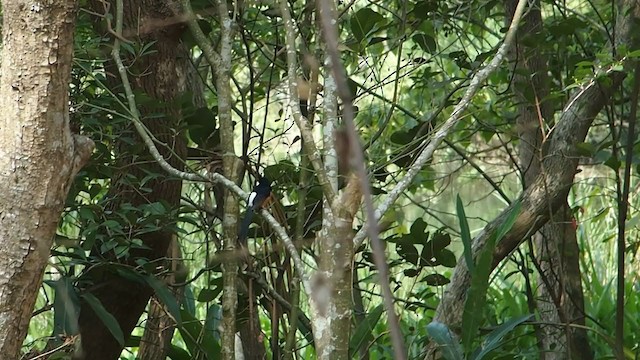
(294, 104)
(434, 142)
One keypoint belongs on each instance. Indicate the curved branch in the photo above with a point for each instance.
(212, 177)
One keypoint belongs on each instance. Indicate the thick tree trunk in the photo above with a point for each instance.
(331, 306)
(560, 271)
(159, 328)
(160, 75)
(38, 154)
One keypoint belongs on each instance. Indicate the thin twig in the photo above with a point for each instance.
(68, 341)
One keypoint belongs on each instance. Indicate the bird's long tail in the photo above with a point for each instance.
(244, 227)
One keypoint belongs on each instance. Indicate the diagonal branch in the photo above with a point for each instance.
(444, 130)
(212, 177)
(210, 54)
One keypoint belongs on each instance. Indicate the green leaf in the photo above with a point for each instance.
(66, 307)
(363, 22)
(207, 295)
(419, 231)
(407, 251)
(188, 299)
(177, 353)
(213, 320)
(86, 213)
(493, 340)
(440, 241)
(465, 233)
(427, 43)
(435, 280)
(508, 223)
(202, 126)
(585, 149)
(446, 258)
(432, 251)
(363, 333)
(477, 294)
(411, 272)
(107, 319)
(197, 339)
(165, 296)
(401, 137)
(441, 334)
(613, 163)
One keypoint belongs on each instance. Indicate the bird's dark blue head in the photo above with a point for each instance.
(263, 185)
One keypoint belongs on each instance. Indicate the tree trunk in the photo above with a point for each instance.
(159, 327)
(160, 75)
(39, 156)
(558, 264)
(560, 299)
(331, 303)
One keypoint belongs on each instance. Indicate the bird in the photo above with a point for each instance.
(258, 198)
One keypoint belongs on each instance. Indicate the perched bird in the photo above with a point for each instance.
(257, 199)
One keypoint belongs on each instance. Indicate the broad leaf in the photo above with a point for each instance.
(363, 21)
(465, 233)
(493, 340)
(363, 332)
(66, 307)
(106, 317)
(449, 346)
(427, 43)
(197, 339)
(477, 295)
(166, 297)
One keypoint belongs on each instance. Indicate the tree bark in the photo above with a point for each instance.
(160, 75)
(159, 327)
(39, 156)
(560, 299)
(556, 243)
(231, 166)
(331, 303)
(546, 194)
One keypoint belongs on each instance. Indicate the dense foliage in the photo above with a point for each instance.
(408, 63)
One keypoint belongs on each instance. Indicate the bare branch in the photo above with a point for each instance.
(444, 130)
